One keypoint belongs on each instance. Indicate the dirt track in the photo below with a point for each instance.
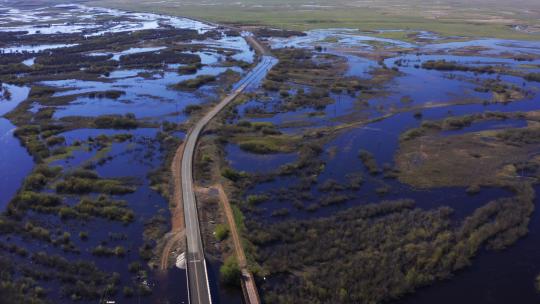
(250, 290)
(176, 235)
(232, 224)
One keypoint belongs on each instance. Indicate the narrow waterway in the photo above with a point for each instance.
(15, 163)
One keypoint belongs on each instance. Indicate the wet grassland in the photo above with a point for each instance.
(500, 19)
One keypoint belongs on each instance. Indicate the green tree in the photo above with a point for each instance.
(230, 272)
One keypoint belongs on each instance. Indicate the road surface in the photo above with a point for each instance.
(197, 274)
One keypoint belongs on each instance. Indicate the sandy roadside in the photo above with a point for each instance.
(175, 239)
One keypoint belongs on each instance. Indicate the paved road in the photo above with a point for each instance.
(198, 284)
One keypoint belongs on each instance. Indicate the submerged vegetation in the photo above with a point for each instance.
(127, 121)
(193, 84)
(397, 247)
(88, 222)
(369, 161)
(533, 77)
(443, 65)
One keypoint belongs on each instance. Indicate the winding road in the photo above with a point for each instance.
(197, 274)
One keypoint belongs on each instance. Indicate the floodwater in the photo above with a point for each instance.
(495, 277)
(34, 48)
(116, 56)
(147, 93)
(15, 163)
(145, 97)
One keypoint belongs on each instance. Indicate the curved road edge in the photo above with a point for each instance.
(197, 275)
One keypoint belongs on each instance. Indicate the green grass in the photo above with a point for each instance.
(341, 15)
(265, 145)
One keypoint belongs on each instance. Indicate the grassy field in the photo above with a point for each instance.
(426, 159)
(476, 18)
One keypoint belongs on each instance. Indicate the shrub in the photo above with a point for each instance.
(281, 212)
(192, 108)
(533, 77)
(145, 252)
(105, 208)
(331, 185)
(47, 171)
(135, 267)
(82, 173)
(222, 232)
(34, 199)
(443, 65)
(113, 94)
(127, 291)
(66, 213)
(369, 162)
(35, 181)
(231, 174)
(473, 189)
(189, 69)
(270, 85)
(83, 235)
(38, 92)
(333, 199)
(77, 185)
(256, 199)
(101, 250)
(255, 147)
(65, 238)
(230, 273)
(456, 123)
(412, 134)
(127, 121)
(382, 190)
(355, 181)
(55, 140)
(244, 124)
(59, 151)
(119, 251)
(37, 232)
(193, 84)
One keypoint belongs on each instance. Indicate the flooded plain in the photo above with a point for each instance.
(110, 119)
(133, 79)
(415, 95)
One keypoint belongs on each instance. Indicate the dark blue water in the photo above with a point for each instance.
(15, 163)
(506, 276)
(241, 160)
